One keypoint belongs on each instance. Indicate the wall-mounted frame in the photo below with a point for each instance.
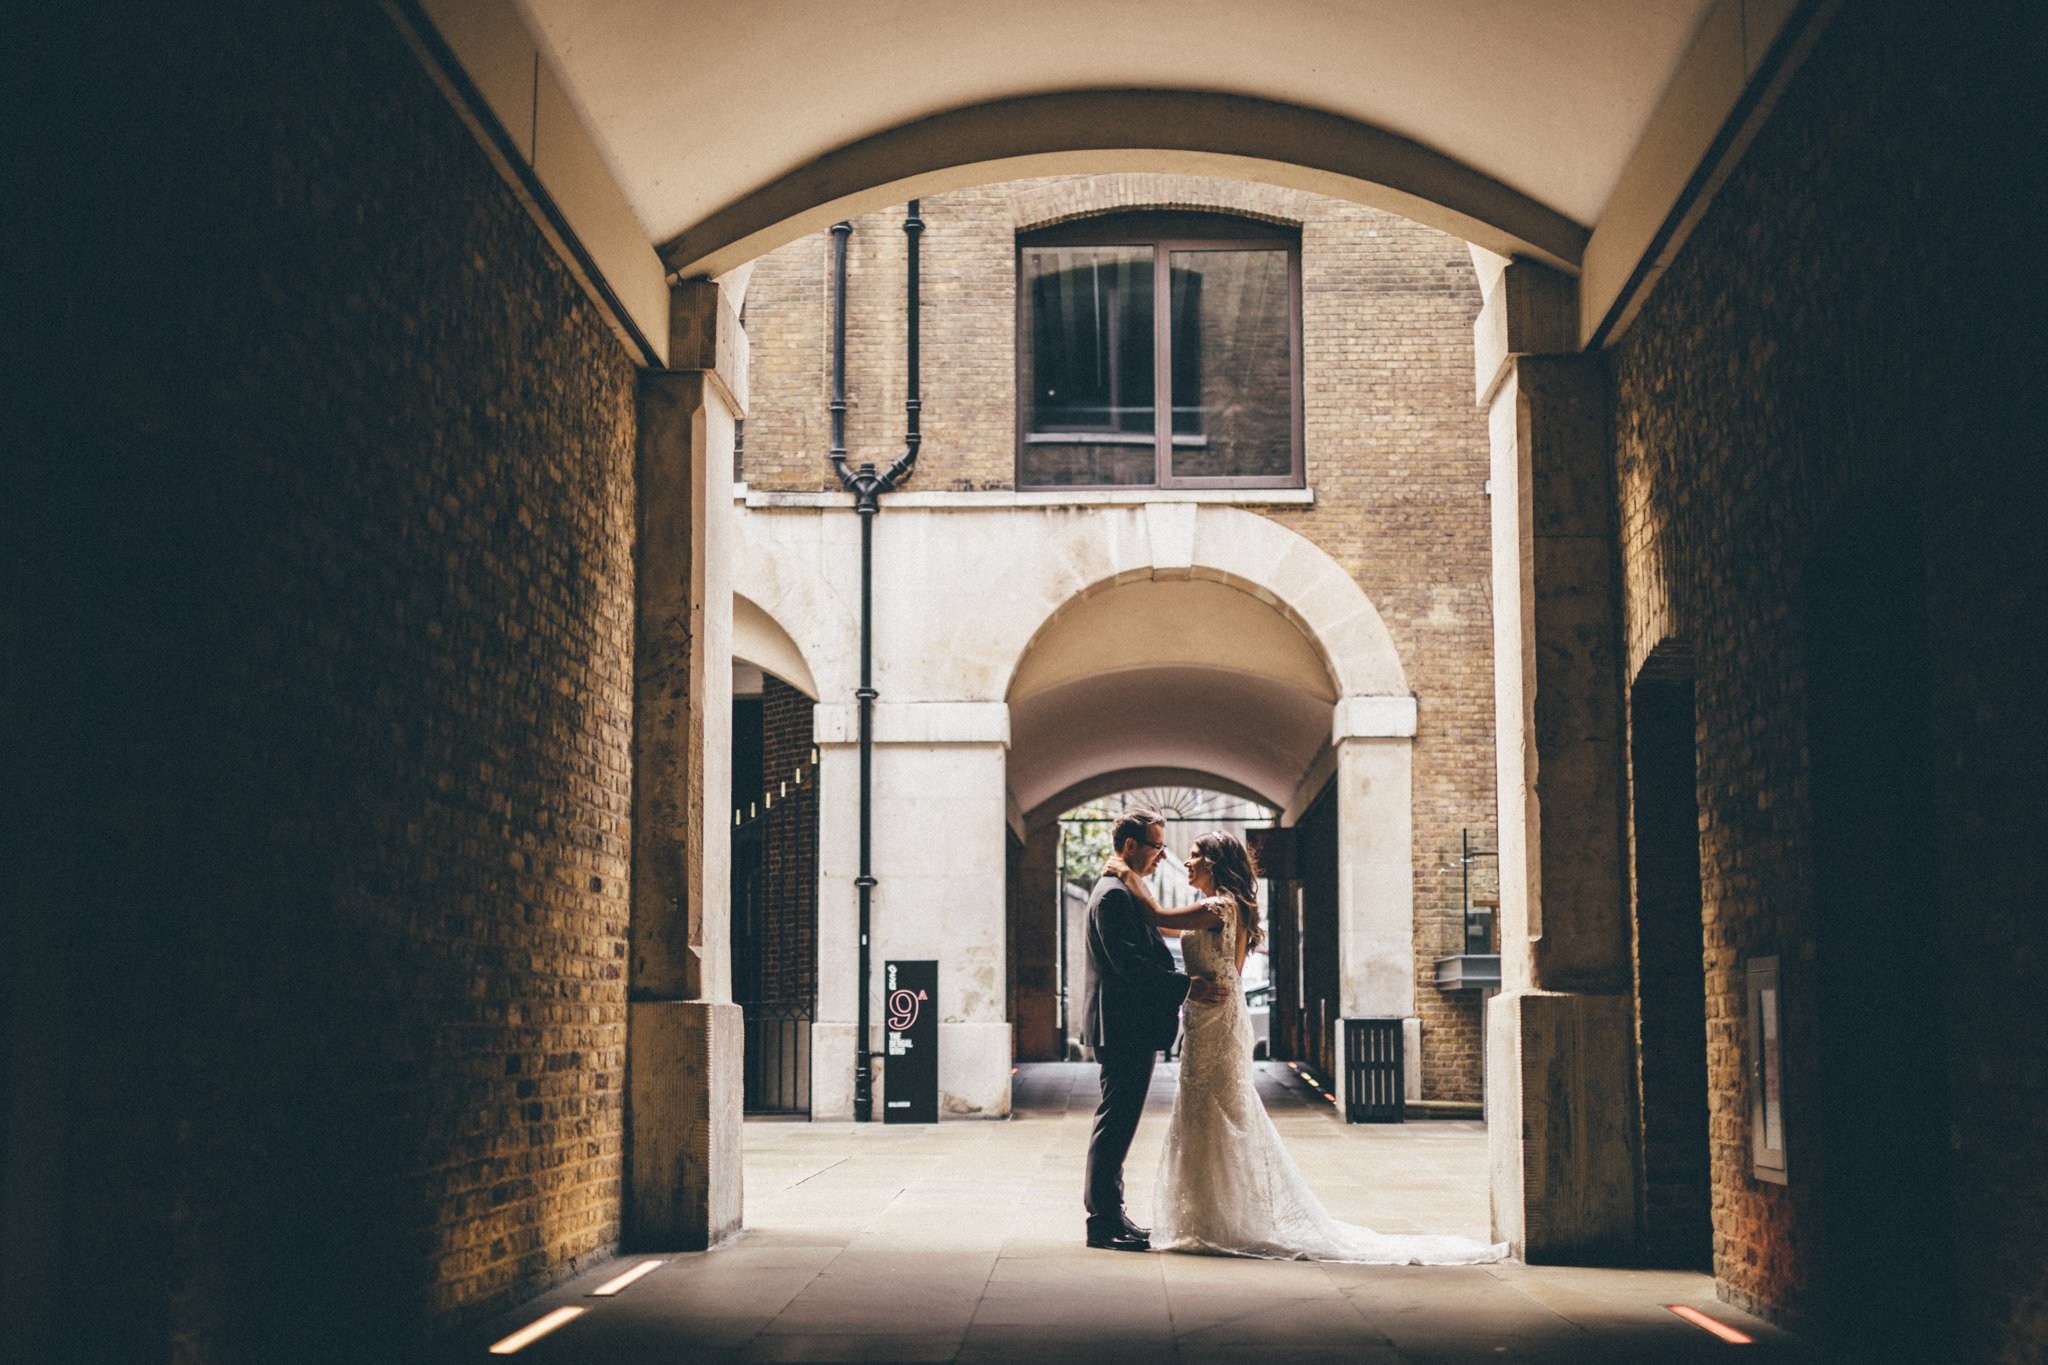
(1766, 1071)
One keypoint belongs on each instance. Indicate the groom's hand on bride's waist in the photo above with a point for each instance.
(1204, 990)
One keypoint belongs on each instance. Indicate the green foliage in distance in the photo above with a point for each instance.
(1084, 843)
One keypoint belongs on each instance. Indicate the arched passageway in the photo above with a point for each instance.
(368, 644)
(1200, 675)
(774, 902)
(1056, 869)
(1101, 656)
(1187, 674)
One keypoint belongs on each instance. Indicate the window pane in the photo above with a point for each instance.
(1087, 361)
(1233, 367)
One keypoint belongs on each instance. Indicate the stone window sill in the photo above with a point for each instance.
(1078, 497)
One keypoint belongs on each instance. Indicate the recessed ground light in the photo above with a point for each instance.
(1718, 1328)
(1315, 1084)
(534, 1331)
(618, 1282)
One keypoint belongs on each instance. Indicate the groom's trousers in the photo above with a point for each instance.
(1126, 1076)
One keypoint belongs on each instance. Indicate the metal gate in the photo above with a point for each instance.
(778, 1066)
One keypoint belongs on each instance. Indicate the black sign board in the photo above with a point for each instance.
(910, 1012)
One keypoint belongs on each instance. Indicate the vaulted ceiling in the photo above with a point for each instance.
(1139, 677)
(682, 139)
(696, 106)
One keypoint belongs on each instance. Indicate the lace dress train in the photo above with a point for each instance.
(1226, 1183)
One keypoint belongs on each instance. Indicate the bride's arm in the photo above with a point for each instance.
(1239, 936)
(1194, 917)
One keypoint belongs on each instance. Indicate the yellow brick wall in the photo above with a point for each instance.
(1395, 448)
(1840, 335)
(346, 1028)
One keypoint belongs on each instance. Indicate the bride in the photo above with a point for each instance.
(1226, 1183)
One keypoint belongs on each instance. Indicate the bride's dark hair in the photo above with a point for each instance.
(1237, 876)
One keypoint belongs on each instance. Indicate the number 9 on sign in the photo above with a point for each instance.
(903, 1009)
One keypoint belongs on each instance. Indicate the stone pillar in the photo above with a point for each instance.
(1374, 739)
(832, 1034)
(940, 864)
(684, 1048)
(1559, 1096)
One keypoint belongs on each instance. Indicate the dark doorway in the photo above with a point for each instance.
(1885, 1277)
(747, 735)
(1304, 943)
(774, 893)
(1670, 967)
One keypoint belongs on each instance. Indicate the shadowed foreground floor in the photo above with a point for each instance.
(963, 1242)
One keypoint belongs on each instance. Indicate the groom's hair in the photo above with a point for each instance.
(1133, 824)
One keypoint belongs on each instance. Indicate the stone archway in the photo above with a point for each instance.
(1177, 131)
(1217, 642)
(759, 639)
(965, 680)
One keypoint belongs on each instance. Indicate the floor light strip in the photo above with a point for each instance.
(1314, 1084)
(534, 1331)
(618, 1282)
(1717, 1327)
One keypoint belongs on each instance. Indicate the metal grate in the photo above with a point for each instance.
(778, 1065)
(1373, 1061)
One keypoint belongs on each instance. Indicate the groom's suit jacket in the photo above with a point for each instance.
(1132, 994)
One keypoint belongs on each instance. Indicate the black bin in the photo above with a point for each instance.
(1373, 1064)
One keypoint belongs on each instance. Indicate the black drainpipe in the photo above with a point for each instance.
(867, 488)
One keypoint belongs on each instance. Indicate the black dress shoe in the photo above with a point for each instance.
(1119, 1239)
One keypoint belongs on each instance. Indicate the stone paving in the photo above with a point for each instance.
(963, 1242)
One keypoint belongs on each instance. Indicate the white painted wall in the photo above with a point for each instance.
(981, 607)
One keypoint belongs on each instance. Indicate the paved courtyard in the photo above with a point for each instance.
(963, 1242)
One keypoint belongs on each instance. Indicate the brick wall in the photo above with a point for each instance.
(788, 318)
(1396, 450)
(340, 462)
(1840, 332)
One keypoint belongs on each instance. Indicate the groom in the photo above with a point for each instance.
(1130, 1010)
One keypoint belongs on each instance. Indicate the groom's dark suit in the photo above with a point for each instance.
(1130, 1009)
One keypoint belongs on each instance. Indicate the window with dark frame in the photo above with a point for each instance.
(1116, 311)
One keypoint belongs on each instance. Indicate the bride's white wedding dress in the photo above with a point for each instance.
(1226, 1183)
